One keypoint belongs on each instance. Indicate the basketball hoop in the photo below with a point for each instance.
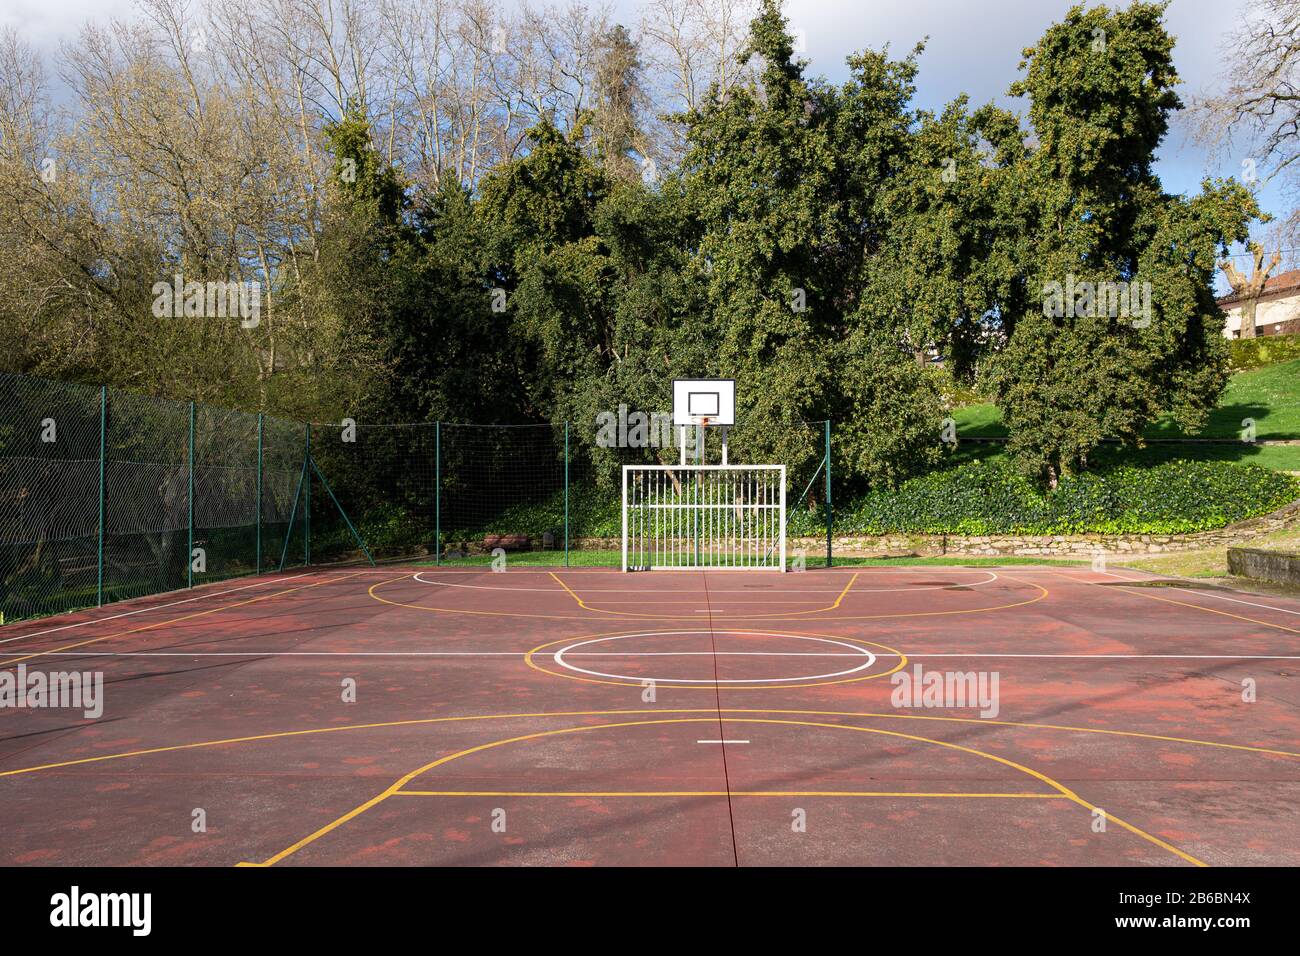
(704, 403)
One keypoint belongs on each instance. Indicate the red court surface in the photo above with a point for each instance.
(506, 718)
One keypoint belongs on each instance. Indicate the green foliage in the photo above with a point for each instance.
(976, 499)
(1090, 209)
(387, 528)
(798, 188)
(983, 499)
(1269, 396)
(817, 243)
(1254, 353)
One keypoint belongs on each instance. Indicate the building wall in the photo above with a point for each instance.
(1270, 314)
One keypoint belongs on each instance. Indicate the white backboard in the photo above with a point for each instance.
(714, 398)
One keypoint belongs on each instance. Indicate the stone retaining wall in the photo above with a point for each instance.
(1280, 567)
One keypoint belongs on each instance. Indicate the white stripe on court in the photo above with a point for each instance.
(1208, 594)
(154, 607)
(991, 655)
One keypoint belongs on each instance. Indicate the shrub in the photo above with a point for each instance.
(974, 499)
(993, 498)
(1252, 353)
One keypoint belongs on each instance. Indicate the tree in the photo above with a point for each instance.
(619, 102)
(1083, 359)
(1248, 288)
(795, 185)
(1260, 103)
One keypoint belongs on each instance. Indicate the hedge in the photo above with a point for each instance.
(993, 498)
(978, 499)
(1267, 350)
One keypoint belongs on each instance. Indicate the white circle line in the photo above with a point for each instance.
(558, 657)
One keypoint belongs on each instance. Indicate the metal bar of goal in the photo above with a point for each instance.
(711, 517)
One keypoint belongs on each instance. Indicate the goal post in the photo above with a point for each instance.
(710, 517)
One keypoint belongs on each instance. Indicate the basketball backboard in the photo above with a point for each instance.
(695, 399)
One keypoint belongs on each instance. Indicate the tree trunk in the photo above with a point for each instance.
(1248, 318)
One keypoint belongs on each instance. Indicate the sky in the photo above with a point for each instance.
(973, 47)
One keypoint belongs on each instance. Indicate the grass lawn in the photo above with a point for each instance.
(1277, 457)
(538, 559)
(1212, 563)
(1270, 395)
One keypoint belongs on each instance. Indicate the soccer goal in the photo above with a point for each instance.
(696, 516)
(714, 517)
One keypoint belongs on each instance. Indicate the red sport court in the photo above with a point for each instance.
(421, 715)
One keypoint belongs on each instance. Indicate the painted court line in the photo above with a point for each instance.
(722, 741)
(722, 793)
(33, 654)
(1211, 594)
(963, 654)
(155, 607)
(766, 590)
(401, 783)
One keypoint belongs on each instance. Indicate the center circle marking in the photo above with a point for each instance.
(868, 659)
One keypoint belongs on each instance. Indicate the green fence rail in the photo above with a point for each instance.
(107, 495)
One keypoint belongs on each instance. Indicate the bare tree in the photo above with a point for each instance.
(1261, 103)
(1248, 288)
(691, 47)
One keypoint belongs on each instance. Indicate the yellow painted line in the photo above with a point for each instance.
(1199, 607)
(175, 620)
(784, 615)
(557, 580)
(844, 592)
(568, 675)
(678, 710)
(718, 793)
(651, 597)
(401, 783)
(417, 721)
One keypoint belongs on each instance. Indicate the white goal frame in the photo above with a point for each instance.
(704, 517)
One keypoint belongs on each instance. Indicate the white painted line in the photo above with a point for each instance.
(722, 741)
(155, 607)
(882, 654)
(1120, 657)
(716, 654)
(867, 657)
(1208, 594)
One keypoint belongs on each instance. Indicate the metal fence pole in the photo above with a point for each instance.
(260, 424)
(830, 507)
(103, 430)
(293, 514)
(306, 500)
(343, 514)
(189, 552)
(566, 494)
(437, 492)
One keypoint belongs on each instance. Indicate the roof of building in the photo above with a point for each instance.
(1284, 283)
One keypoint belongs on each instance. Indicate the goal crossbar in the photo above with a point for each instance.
(715, 517)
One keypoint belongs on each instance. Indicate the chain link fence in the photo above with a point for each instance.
(107, 495)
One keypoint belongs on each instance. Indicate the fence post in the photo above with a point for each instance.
(260, 421)
(306, 500)
(830, 507)
(103, 423)
(437, 492)
(189, 552)
(566, 494)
